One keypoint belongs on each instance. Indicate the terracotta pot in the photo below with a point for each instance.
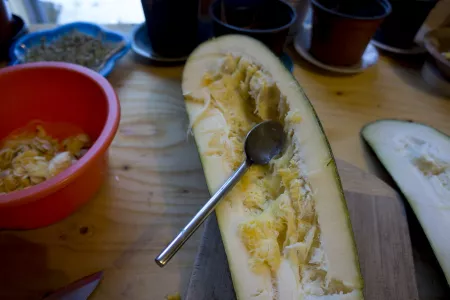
(342, 29)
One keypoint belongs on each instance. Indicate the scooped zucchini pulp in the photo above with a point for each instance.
(418, 159)
(285, 226)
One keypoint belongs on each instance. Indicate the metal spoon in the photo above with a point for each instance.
(263, 142)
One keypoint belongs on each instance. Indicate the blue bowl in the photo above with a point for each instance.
(19, 48)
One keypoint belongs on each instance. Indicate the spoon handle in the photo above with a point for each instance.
(171, 249)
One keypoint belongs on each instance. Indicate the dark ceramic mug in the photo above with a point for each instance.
(172, 26)
(342, 29)
(272, 24)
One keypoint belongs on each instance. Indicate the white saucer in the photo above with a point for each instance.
(302, 44)
(415, 50)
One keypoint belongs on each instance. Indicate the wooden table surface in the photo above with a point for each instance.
(391, 89)
(156, 182)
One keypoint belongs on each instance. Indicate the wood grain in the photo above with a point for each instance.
(393, 88)
(382, 238)
(156, 183)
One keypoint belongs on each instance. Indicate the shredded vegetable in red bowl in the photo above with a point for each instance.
(57, 121)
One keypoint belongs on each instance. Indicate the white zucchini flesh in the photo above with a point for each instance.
(281, 282)
(418, 159)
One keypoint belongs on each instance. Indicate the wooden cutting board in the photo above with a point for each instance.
(381, 232)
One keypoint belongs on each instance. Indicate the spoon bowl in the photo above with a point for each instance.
(264, 142)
